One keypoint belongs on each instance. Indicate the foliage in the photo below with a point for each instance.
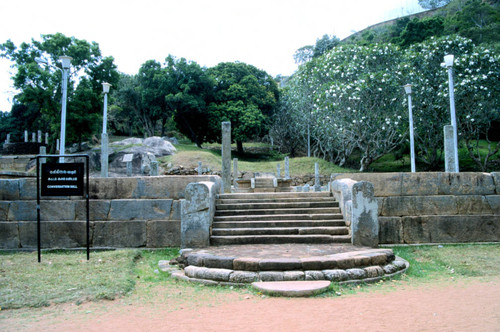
(431, 4)
(417, 31)
(37, 106)
(351, 97)
(191, 90)
(309, 52)
(476, 94)
(353, 102)
(244, 95)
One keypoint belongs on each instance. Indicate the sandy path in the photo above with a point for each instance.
(469, 306)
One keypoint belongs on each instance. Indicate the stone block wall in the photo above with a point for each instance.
(124, 212)
(435, 207)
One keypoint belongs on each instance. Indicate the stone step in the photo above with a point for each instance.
(273, 195)
(280, 231)
(278, 223)
(322, 216)
(276, 205)
(301, 211)
(278, 200)
(276, 239)
(297, 288)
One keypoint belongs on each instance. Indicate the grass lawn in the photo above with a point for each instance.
(133, 275)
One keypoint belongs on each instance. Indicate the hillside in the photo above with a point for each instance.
(478, 20)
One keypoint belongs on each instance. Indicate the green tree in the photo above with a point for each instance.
(190, 91)
(416, 31)
(244, 95)
(432, 4)
(40, 86)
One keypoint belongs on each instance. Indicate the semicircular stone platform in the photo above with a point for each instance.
(245, 264)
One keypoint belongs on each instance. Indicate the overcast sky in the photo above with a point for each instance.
(264, 33)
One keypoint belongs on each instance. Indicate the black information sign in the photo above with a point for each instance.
(62, 179)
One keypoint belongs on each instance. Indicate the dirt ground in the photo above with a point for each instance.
(449, 306)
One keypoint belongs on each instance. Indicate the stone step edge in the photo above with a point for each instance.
(340, 260)
(295, 288)
(244, 278)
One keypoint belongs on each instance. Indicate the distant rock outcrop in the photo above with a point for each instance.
(144, 151)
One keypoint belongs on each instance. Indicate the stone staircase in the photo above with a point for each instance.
(275, 218)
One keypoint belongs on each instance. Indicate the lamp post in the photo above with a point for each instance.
(448, 63)
(104, 137)
(66, 65)
(412, 141)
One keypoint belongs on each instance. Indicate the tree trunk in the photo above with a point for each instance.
(365, 162)
(239, 146)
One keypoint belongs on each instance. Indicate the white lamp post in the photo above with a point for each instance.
(104, 138)
(412, 141)
(448, 63)
(66, 65)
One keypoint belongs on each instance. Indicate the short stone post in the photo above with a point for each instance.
(305, 188)
(226, 157)
(7, 140)
(153, 168)
(317, 185)
(365, 225)
(197, 211)
(287, 168)
(25, 136)
(278, 171)
(47, 138)
(200, 168)
(43, 151)
(39, 136)
(129, 168)
(235, 173)
(104, 155)
(33, 137)
(449, 150)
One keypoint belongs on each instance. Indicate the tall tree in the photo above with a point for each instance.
(244, 95)
(40, 86)
(190, 91)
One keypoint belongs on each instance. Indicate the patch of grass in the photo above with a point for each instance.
(434, 264)
(64, 276)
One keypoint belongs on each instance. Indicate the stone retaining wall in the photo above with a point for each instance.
(124, 212)
(435, 207)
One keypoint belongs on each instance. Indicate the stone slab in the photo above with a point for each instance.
(140, 209)
(163, 233)
(9, 189)
(451, 229)
(123, 234)
(9, 235)
(391, 230)
(54, 234)
(292, 288)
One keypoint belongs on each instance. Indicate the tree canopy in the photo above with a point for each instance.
(37, 105)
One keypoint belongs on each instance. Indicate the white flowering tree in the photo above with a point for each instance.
(476, 95)
(357, 103)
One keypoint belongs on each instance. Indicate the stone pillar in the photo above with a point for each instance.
(47, 138)
(449, 154)
(104, 155)
(33, 137)
(7, 140)
(25, 136)
(235, 173)
(365, 226)
(197, 212)
(287, 168)
(57, 145)
(317, 185)
(278, 171)
(153, 168)
(226, 157)
(43, 151)
(129, 168)
(200, 168)
(39, 136)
